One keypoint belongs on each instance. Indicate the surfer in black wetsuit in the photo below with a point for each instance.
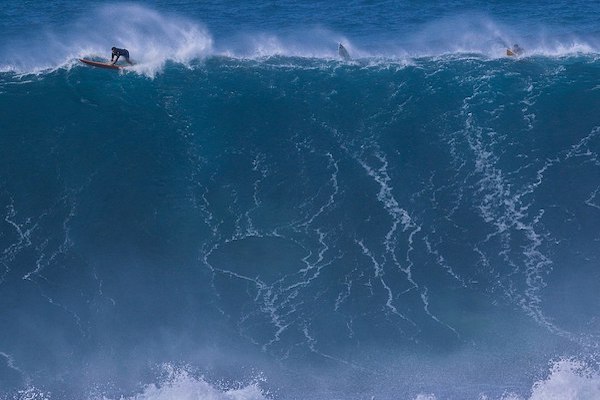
(119, 53)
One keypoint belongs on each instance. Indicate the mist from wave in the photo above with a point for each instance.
(152, 38)
(155, 38)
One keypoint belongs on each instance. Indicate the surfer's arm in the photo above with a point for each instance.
(116, 59)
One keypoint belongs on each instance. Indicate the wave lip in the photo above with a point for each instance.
(151, 37)
(155, 37)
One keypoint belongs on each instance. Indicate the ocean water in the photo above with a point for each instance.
(244, 215)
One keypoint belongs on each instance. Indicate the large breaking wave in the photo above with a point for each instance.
(420, 227)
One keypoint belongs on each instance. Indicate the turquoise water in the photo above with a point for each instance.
(244, 215)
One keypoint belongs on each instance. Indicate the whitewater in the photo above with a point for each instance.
(243, 214)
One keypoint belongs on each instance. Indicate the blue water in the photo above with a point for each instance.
(245, 215)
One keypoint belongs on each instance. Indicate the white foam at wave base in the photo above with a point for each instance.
(568, 379)
(182, 386)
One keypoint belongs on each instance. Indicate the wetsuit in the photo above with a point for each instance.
(119, 53)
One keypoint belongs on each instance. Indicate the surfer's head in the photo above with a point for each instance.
(113, 48)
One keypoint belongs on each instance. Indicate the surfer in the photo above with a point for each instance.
(118, 53)
(343, 52)
(517, 50)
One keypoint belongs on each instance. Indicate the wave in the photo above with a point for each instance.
(154, 38)
(361, 228)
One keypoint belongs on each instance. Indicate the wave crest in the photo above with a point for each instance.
(151, 37)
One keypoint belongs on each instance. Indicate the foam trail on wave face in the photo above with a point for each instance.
(152, 39)
(592, 199)
(10, 363)
(507, 207)
(23, 240)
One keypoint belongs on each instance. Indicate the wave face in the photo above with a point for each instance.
(216, 226)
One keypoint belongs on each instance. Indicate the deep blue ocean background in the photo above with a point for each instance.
(245, 215)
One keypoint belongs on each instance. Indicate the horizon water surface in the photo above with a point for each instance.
(244, 215)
